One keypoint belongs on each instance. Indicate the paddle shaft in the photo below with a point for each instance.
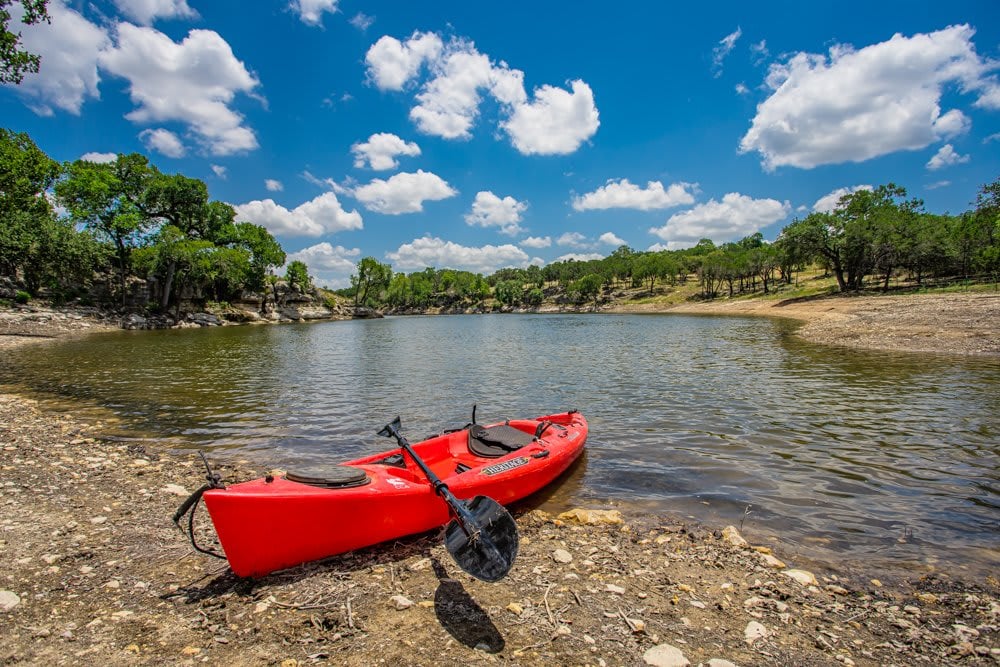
(465, 518)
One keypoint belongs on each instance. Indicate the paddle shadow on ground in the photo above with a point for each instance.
(461, 616)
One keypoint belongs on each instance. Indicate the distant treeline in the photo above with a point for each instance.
(871, 235)
(63, 224)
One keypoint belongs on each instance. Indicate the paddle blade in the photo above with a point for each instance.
(392, 429)
(487, 551)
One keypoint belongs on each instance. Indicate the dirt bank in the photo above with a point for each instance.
(953, 323)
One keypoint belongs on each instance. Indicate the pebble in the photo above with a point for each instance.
(175, 490)
(401, 602)
(719, 662)
(8, 600)
(562, 556)
(98, 520)
(771, 561)
(665, 655)
(804, 577)
(611, 588)
(754, 631)
(733, 537)
(515, 608)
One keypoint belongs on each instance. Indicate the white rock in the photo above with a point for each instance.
(8, 600)
(562, 556)
(771, 561)
(754, 631)
(665, 655)
(719, 662)
(731, 535)
(804, 577)
(611, 588)
(401, 602)
(175, 490)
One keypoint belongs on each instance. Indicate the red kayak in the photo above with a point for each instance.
(276, 522)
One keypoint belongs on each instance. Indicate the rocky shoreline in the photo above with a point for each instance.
(96, 573)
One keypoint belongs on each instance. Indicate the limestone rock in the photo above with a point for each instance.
(562, 556)
(804, 577)
(665, 655)
(401, 602)
(8, 600)
(593, 516)
(733, 537)
(754, 631)
(771, 561)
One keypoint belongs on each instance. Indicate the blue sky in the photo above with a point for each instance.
(456, 134)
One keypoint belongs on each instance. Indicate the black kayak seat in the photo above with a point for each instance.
(329, 476)
(495, 441)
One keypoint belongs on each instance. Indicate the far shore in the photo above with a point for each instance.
(947, 323)
(954, 323)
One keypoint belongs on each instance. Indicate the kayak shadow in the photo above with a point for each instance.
(461, 616)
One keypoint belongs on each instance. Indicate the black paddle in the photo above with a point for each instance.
(482, 538)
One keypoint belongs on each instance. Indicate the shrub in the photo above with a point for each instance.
(22, 297)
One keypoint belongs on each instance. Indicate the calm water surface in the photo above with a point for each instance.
(890, 460)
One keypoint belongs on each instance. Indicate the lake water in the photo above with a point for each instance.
(890, 460)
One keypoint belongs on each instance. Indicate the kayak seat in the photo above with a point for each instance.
(329, 476)
(496, 441)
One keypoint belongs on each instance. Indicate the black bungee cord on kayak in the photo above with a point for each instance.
(190, 506)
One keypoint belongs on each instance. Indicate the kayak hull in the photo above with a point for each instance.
(273, 523)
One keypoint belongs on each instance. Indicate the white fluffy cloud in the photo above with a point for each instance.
(946, 157)
(146, 11)
(220, 171)
(733, 218)
(192, 82)
(311, 11)
(537, 242)
(624, 194)
(854, 105)
(69, 47)
(403, 193)
(331, 266)
(610, 238)
(431, 251)
(391, 63)
(380, 151)
(164, 142)
(574, 240)
(99, 157)
(556, 121)
(322, 215)
(488, 210)
(828, 202)
(273, 185)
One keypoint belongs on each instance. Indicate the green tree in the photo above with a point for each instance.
(509, 292)
(297, 275)
(26, 173)
(588, 287)
(373, 277)
(265, 254)
(15, 62)
(107, 198)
